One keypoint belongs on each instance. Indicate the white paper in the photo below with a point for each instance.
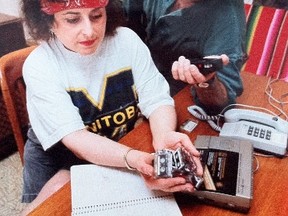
(98, 190)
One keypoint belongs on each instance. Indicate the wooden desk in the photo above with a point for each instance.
(270, 181)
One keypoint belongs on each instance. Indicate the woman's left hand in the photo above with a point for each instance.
(173, 140)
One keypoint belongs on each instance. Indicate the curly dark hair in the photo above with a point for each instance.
(40, 23)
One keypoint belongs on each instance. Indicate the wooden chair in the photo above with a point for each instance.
(13, 91)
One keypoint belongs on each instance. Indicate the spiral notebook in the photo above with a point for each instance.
(99, 190)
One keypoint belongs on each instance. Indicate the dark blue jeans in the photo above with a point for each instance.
(40, 165)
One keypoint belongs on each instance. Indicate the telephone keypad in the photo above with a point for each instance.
(257, 132)
(269, 138)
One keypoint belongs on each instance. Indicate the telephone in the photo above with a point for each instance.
(266, 132)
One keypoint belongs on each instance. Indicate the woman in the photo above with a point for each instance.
(86, 84)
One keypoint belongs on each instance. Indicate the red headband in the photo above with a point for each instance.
(54, 7)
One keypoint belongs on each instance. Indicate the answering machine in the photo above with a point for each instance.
(228, 172)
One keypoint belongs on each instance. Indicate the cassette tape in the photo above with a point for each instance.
(178, 163)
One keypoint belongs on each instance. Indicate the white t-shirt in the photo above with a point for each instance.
(67, 92)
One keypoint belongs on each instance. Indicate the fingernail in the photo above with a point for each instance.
(190, 189)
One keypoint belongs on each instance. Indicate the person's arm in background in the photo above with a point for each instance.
(227, 36)
(207, 88)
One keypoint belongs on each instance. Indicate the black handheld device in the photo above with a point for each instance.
(208, 64)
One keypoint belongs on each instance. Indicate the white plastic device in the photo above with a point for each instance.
(266, 132)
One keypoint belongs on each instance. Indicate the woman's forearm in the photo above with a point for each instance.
(95, 148)
(161, 121)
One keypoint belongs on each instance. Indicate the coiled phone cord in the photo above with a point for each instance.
(200, 114)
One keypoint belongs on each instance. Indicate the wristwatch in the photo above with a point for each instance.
(207, 83)
(203, 85)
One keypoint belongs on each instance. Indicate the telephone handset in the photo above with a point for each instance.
(234, 115)
(267, 132)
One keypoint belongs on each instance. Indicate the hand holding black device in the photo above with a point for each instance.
(208, 64)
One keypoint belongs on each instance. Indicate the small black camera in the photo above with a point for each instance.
(208, 64)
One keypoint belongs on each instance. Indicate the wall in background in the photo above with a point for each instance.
(11, 7)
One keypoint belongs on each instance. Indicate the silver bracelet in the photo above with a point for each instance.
(125, 160)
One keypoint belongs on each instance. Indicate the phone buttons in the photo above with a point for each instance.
(259, 132)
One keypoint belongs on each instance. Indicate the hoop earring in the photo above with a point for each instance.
(52, 34)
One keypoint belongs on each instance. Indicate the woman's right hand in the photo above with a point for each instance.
(175, 184)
